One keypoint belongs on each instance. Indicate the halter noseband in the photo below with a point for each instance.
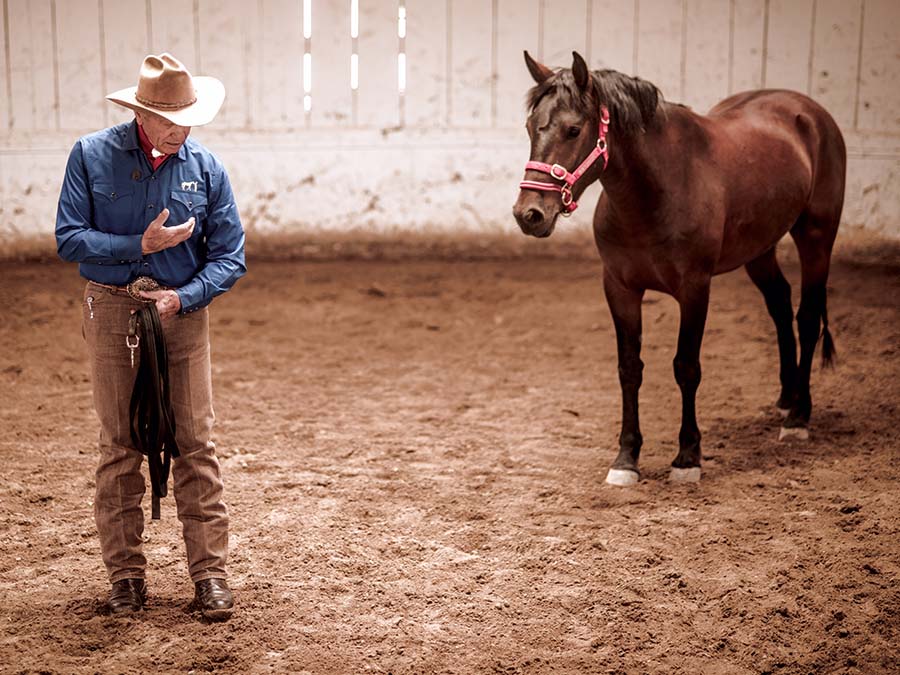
(560, 172)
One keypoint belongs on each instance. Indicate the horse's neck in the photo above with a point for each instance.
(638, 166)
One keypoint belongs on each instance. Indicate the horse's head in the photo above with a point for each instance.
(563, 126)
(571, 112)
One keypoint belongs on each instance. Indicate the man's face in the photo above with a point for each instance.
(166, 136)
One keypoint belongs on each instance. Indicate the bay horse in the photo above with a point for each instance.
(685, 197)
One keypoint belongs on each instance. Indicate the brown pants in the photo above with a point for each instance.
(120, 483)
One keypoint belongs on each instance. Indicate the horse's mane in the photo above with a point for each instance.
(633, 103)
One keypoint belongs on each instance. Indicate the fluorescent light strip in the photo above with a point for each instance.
(354, 71)
(401, 22)
(354, 18)
(307, 19)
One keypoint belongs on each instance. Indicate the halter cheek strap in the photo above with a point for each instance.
(569, 179)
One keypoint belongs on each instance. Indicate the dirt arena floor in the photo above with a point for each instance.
(414, 455)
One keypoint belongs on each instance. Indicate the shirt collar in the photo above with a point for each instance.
(132, 142)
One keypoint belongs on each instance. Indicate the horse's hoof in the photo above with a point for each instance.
(622, 477)
(784, 412)
(800, 433)
(689, 475)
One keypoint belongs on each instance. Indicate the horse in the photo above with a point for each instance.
(686, 197)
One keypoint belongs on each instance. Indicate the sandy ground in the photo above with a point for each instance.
(414, 456)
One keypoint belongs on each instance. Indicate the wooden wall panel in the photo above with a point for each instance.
(378, 99)
(470, 63)
(80, 74)
(226, 29)
(125, 43)
(281, 64)
(31, 65)
(331, 47)
(879, 85)
(612, 35)
(5, 99)
(517, 30)
(172, 30)
(565, 30)
(836, 57)
(659, 48)
(425, 100)
(788, 45)
(707, 49)
(747, 40)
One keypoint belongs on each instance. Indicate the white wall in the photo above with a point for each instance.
(446, 154)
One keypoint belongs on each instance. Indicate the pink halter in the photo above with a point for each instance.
(560, 172)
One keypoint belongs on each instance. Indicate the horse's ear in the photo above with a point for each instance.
(580, 72)
(538, 71)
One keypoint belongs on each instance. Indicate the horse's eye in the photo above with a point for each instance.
(573, 132)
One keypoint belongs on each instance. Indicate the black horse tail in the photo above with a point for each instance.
(828, 351)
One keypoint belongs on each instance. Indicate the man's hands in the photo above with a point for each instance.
(158, 237)
(168, 304)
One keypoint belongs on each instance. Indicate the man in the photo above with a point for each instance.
(143, 200)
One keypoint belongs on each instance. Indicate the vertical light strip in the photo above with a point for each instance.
(812, 51)
(307, 19)
(354, 61)
(307, 58)
(55, 41)
(401, 57)
(731, 48)
(859, 60)
(9, 98)
(765, 47)
(102, 49)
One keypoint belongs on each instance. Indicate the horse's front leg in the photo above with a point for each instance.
(625, 306)
(694, 303)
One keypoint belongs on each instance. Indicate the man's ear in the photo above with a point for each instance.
(538, 71)
(581, 73)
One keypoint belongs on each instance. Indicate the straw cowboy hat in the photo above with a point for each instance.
(165, 87)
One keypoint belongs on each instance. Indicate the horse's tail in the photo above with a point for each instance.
(828, 351)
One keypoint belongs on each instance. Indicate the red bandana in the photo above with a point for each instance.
(147, 147)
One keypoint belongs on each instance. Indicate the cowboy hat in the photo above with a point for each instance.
(166, 88)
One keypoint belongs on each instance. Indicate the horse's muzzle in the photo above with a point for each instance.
(531, 218)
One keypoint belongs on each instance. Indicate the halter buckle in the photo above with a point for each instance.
(566, 193)
(601, 144)
(563, 171)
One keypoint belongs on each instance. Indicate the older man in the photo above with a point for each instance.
(143, 203)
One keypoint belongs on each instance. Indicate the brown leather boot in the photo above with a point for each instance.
(214, 599)
(127, 596)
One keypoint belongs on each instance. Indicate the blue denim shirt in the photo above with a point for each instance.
(109, 196)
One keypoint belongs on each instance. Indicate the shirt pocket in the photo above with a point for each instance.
(113, 207)
(183, 205)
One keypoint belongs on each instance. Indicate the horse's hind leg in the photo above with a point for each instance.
(814, 238)
(766, 274)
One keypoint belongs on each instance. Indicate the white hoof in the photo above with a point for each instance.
(690, 475)
(784, 412)
(622, 477)
(800, 433)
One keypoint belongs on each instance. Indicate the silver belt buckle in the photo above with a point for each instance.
(142, 284)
